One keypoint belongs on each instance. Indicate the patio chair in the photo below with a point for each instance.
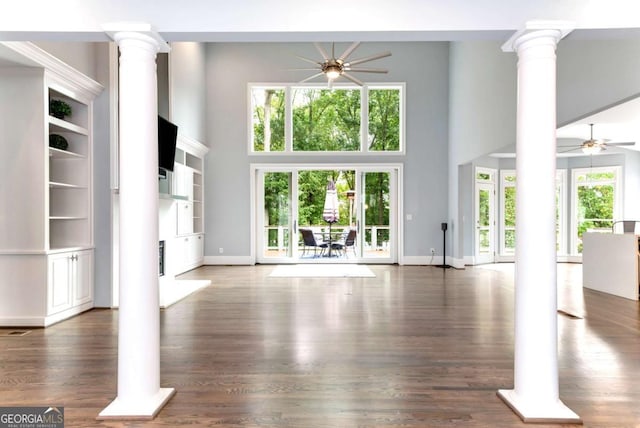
(349, 240)
(309, 241)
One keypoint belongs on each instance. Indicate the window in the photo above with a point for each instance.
(267, 119)
(508, 212)
(596, 201)
(312, 118)
(326, 120)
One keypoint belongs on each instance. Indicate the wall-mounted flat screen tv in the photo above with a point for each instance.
(167, 139)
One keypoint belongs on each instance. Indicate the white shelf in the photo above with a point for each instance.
(60, 125)
(66, 218)
(58, 185)
(64, 154)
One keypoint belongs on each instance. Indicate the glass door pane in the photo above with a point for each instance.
(484, 223)
(277, 242)
(375, 230)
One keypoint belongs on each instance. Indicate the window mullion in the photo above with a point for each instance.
(288, 120)
(364, 119)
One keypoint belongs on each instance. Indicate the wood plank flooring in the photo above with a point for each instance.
(413, 347)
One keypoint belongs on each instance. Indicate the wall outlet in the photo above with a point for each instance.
(433, 251)
(220, 250)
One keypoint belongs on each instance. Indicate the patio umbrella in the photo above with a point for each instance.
(331, 214)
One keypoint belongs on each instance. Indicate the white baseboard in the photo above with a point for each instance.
(229, 260)
(431, 261)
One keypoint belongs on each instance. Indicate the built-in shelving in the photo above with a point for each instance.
(69, 175)
(47, 229)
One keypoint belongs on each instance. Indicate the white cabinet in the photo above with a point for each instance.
(181, 219)
(70, 282)
(47, 233)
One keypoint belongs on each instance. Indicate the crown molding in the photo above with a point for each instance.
(56, 68)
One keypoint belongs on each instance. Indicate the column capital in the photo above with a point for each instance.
(141, 31)
(538, 29)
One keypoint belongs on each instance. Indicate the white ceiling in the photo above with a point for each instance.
(305, 20)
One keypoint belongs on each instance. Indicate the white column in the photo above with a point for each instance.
(139, 392)
(535, 397)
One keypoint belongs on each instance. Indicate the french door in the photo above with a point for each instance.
(485, 235)
(292, 198)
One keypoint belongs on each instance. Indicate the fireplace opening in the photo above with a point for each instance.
(161, 258)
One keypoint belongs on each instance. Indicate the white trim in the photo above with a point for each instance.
(229, 260)
(74, 80)
(114, 73)
(561, 180)
(192, 146)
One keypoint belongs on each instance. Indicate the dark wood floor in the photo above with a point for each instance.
(412, 347)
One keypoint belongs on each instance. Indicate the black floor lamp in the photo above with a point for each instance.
(444, 265)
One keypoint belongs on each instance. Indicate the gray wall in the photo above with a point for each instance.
(482, 119)
(81, 56)
(593, 75)
(187, 89)
(102, 181)
(230, 67)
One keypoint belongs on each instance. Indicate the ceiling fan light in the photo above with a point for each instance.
(591, 149)
(332, 72)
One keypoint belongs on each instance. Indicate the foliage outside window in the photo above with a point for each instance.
(326, 120)
(267, 119)
(384, 120)
(595, 193)
(508, 184)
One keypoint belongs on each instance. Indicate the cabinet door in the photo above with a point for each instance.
(59, 283)
(185, 218)
(196, 253)
(83, 278)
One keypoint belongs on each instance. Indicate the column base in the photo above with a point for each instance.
(555, 413)
(138, 410)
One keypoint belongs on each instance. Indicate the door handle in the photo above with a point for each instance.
(295, 226)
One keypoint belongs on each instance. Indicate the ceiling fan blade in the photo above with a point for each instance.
(366, 70)
(353, 79)
(311, 77)
(368, 58)
(348, 51)
(303, 69)
(568, 150)
(320, 49)
(312, 61)
(625, 143)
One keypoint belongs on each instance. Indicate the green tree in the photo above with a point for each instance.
(384, 119)
(326, 120)
(268, 120)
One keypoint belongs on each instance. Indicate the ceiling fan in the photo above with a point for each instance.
(592, 146)
(334, 67)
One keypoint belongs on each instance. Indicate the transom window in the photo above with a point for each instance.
(312, 118)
